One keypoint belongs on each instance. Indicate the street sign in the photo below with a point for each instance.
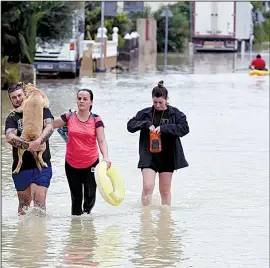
(166, 12)
(135, 6)
(132, 7)
(110, 8)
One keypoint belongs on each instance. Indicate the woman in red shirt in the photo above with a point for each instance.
(85, 129)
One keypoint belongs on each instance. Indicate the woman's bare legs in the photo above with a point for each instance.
(165, 181)
(149, 176)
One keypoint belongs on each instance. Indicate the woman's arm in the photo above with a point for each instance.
(136, 123)
(180, 128)
(58, 122)
(102, 143)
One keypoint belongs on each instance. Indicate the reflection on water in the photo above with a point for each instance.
(109, 251)
(27, 242)
(87, 248)
(220, 203)
(81, 242)
(159, 245)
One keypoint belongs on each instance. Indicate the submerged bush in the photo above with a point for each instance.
(10, 73)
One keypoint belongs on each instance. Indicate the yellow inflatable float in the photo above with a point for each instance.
(259, 73)
(110, 183)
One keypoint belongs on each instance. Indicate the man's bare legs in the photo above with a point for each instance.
(39, 194)
(25, 200)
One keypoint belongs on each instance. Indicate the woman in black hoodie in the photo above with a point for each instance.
(160, 148)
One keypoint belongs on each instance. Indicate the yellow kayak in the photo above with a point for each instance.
(259, 72)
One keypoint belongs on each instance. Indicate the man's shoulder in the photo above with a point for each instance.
(13, 115)
(47, 113)
(46, 110)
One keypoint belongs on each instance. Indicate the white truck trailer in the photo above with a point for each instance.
(221, 26)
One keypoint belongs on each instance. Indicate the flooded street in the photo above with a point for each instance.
(220, 204)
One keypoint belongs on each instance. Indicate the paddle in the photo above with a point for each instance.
(241, 69)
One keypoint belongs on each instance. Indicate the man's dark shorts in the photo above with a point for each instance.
(23, 179)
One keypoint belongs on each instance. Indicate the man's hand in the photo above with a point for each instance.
(45, 135)
(34, 145)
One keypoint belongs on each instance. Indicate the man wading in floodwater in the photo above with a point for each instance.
(30, 183)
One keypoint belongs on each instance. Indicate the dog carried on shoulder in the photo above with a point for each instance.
(32, 109)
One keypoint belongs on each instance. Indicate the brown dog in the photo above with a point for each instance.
(32, 108)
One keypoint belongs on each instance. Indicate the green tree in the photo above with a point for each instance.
(93, 21)
(259, 34)
(178, 32)
(121, 21)
(261, 31)
(14, 27)
(266, 27)
(54, 22)
(257, 5)
(22, 22)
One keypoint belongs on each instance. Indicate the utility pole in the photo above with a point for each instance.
(167, 14)
(190, 27)
(190, 20)
(101, 39)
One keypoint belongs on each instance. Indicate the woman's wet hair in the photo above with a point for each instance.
(90, 94)
(160, 91)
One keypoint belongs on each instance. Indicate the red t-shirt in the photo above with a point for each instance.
(82, 150)
(258, 63)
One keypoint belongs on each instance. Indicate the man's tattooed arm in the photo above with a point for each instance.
(47, 131)
(14, 140)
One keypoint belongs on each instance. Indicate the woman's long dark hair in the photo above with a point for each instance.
(90, 94)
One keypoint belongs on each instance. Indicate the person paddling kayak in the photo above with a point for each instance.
(258, 64)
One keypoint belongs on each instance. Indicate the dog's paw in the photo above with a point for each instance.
(46, 102)
(45, 165)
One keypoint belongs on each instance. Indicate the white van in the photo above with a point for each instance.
(63, 56)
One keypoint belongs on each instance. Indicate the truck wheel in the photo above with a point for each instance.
(78, 67)
(78, 72)
(73, 75)
(238, 46)
(246, 46)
